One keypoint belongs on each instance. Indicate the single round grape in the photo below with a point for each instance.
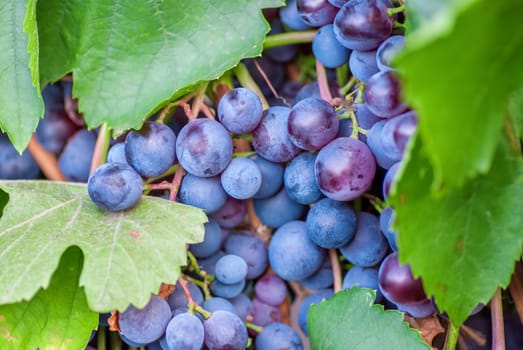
(204, 147)
(75, 159)
(316, 13)
(363, 64)
(251, 248)
(146, 324)
(422, 309)
(291, 18)
(184, 331)
(327, 49)
(242, 178)
(178, 299)
(389, 178)
(272, 176)
(368, 246)
(225, 330)
(383, 95)
(314, 298)
(388, 50)
(240, 110)
(278, 209)
(299, 179)
(278, 336)
(151, 150)
(14, 165)
(363, 24)
(231, 214)
(270, 289)
(331, 224)
(292, 255)
(397, 283)
(312, 123)
(344, 169)
(264, 313)
(230, 269)
(397, 132)
(386, 219)
(320, 279)
(205, 193)
(212, 240)
(271, 139)
(214, 304)
(224, 290)
(374, 141)
(363, 277)
(115, 187)
(116, 153)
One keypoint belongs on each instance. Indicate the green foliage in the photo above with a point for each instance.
(474, 234)
(456, 74)
(55, 318)
(20, 102)
(127, 254)
(349, 320)
(129, 58)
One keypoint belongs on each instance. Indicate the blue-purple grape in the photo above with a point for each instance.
(242, 178)
(374, 141)
(240, 110)
(205, 193)
(291, 18)
(270, 289)
(314, 298)
(211, 240)
(231, 214)
(251, 248)
(316, 13)
(363, 64)
(224, 290)
(278, 336)
(178, 300)
(225, 331)
(116, 153)
(230, 269)
(272, 176)
(363, 277)
(320, 279)
(327, 49)
(383, 95)
(14, 165)
(75, 159)
(184, 331)
(264, 313)
(388, 50)
(278, 209)
(299, 179)
(396, 134)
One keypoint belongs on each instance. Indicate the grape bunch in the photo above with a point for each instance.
(290, 188)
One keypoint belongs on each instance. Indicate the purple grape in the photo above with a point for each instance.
(225, 330)
(327, 49)
(242, 178)
(14, 165)
(178, 300)
(270, 289)
(312, 123)
(184, 331)
(278, 209)
(386, 219)
(397, 132)
(365, 118)
(278, 336)
(271, 139)
(421, 309)
(345, 169)
(369, 246)
(205, 193)
(389, 179)
(243, 305)
(320, 279)
(338, 3)
(151, 150)
(264, 313)
(115, 187)
(230, 269)
(224, 290)
(218, 304)
(316, 13)
(331, 224)
(147, 324)
(388, 50)
(116, 153)
(363, 64)
(75, 159)
(272, 177)
(292, 255)
(363, 277)
(240, 110)
(251, 248)
(374, 141)
(212, 240)
(207, 264)
(291, 18)
(383, 95)
(204, 147)
(397, 283)
(363, 24)
(231, 214)
(299, 179)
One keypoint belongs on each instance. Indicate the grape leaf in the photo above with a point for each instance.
(55, 318)
(515, 111)
(129, 58)
(461, 100)
(127, 254)
(349, 320)
(474, 234)
(21, 104)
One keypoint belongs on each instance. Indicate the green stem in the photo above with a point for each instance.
(243, 154)
(256, 328)
(342, 73)
(399, 25)
(101, 147)
(392, 11)
(244, 77)
(206, 314)
(101, 338)
(452, 336)
(116, 341)
(169, 171)
(344, 90)
(289, 38)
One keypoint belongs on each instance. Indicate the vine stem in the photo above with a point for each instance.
(244, 77)
(101, 147)
(498, 327)
(198, 99)
(452, 336)
(323, 83)
(289, 38)
(175, 184)
(45, 160)
(395, 10)
(336, 269)
(516, 289)
(100, 341)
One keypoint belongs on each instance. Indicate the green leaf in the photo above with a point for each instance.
(351, 320)
(474, 234)
(21, 104)
(129, 58)
(127, 254)
(515, 111)
(456, 76)
(55, 318)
